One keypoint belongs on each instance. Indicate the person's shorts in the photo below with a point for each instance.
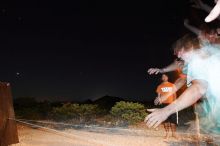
(172, 118)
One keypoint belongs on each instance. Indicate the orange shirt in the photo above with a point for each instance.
(166, 88)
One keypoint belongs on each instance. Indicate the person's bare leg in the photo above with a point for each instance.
(173, 130)
(166, 127)
(197, 127)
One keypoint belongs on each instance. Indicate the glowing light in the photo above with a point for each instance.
(214, 13)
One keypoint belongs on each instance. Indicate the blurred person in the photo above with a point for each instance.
(164, 89)
(206, 35)
(180, 66)
(203, 73)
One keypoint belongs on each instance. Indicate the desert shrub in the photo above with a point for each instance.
(83, 112)
(129, 111)
(29, 108)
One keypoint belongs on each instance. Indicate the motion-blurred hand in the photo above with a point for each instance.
(154, 71)
(196, 4)
(157, 101)
(186, 21)
(156, 117)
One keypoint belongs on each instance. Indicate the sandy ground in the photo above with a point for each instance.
(71, 137)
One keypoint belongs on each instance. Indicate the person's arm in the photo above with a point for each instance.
(186, 99)
(201, 5)
(157, 99)
(172, 67)
(174, 95)
(191, 28)
(180, 82)
(213, 12)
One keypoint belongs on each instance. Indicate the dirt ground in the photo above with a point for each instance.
(72, 137)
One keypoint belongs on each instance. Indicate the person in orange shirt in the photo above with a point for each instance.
(166, 95)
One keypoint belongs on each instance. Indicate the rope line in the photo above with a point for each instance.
(77, 126)
(64, 134)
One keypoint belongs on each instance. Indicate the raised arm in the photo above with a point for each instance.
(191, 28)
(200, 5)
(213, 12)
(157, 99)
(172, 67)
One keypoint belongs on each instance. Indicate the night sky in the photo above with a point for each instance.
(87, 49)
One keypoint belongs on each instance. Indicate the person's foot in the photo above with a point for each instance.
(166, 136)
(175, 136)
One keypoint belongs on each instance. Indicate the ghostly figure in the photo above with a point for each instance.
(203, 72)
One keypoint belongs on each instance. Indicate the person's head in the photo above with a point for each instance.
(164, 78)
(212, 35)
(185, 47)
(218, 31)
(208, 34)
